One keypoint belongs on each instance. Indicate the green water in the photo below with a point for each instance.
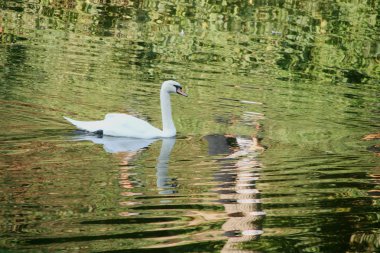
(269, 155)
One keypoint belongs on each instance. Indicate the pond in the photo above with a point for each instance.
(277, 146)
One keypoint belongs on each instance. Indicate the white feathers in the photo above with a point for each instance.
(123, 125)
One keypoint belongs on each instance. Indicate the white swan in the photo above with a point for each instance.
(123, 125)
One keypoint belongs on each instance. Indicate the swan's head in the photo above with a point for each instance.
(173, 87)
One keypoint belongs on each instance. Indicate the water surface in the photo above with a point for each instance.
(269, 155)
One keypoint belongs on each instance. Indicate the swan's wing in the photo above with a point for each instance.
(127, 121)
(118, 124)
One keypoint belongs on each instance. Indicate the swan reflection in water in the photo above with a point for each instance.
(126, 149)
(118, 144)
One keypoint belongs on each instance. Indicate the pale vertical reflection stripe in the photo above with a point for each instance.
(252, 232)
(247, 201)
(243, 207)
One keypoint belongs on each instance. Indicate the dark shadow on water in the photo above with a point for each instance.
(130, 221)
(209, 246)
(133, 235)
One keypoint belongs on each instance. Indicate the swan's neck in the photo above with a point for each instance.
(168, 127)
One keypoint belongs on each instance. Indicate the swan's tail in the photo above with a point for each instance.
(90, 126)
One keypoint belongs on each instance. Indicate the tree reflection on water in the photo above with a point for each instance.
(240, 170)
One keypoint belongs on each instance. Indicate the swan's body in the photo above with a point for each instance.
(118, 124)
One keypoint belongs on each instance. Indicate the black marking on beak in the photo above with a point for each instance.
(179, 90)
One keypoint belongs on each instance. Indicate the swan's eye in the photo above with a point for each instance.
(177, 87)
